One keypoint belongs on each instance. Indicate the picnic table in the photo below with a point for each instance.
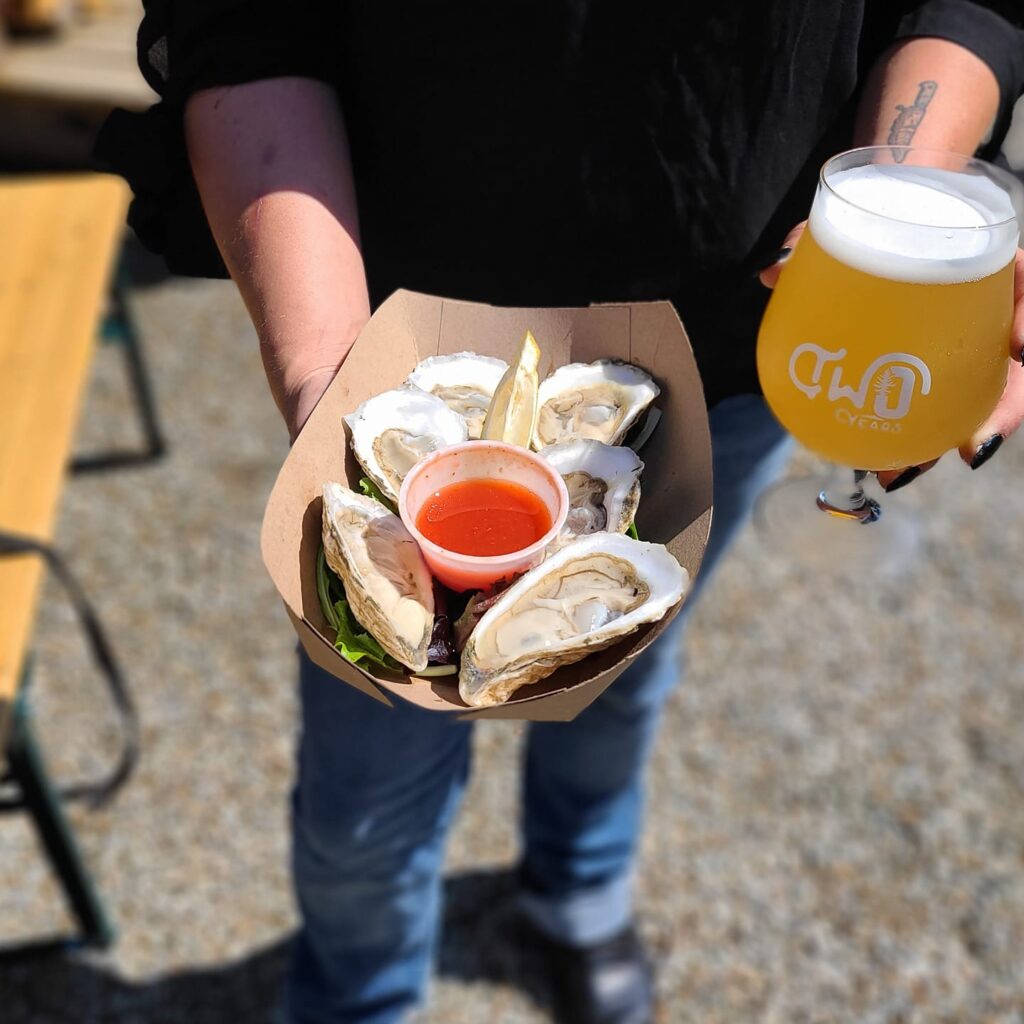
(62, 235)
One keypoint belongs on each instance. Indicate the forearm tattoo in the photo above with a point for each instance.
(908, 118)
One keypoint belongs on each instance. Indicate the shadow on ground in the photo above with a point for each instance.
(482, 941)
(480, 944)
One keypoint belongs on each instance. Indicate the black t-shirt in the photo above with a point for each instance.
(555, 152)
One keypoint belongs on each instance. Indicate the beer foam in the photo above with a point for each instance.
(916, 224)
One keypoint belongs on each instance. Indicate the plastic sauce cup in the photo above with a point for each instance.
(481, 460)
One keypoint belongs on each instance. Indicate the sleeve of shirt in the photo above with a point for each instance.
(992, 31)
(185, 46)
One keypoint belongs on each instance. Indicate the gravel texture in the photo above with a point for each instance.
(836, 818)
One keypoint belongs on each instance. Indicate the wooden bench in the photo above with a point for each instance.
(59, 237)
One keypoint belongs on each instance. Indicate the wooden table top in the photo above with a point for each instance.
(58, 239)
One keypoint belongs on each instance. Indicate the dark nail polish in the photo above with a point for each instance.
(986, 450)
(780, 257)
(908, 476)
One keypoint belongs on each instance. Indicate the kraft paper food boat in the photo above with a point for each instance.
(675, 507)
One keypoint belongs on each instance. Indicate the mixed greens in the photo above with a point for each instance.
(352, 641)
(371, 490)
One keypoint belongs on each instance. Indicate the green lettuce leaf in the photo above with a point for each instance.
(631, 532)
(326, 581)
(356, 644)
(371, 490)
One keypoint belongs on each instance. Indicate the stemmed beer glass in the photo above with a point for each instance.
(886, 341)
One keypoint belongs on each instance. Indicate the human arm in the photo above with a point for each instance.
(272, 164)
(928, 92)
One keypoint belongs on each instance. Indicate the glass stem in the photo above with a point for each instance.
(839, 500)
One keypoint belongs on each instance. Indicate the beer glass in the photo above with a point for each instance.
(886, 341)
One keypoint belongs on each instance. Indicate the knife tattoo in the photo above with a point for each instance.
(903, 127)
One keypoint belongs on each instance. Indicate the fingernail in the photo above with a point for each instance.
(986, 450)
(780, 257)
(908, 476)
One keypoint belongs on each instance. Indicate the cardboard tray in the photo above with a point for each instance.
(675, 507)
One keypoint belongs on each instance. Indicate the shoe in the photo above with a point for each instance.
(610, 982)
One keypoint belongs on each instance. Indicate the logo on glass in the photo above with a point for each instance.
(891, 382)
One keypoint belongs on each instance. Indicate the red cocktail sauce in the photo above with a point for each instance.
(483, 517)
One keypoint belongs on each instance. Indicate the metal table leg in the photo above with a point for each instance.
(119, 327)
(40, 800)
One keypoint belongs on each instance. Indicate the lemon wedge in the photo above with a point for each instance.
(512, 414)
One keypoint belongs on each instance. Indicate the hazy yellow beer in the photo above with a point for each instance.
(886, 341)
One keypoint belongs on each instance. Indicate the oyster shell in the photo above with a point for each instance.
(603, 481)
(585, 597)
(392, 431)
(387, 583)
(465, 382)
(599, 400)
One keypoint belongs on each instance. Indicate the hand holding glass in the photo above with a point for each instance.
(886, 341)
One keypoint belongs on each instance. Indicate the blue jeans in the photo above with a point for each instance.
(377, 789)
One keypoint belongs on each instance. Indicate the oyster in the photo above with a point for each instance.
(465, 382)
(585, 597)
(599, 400)
(392, 431)
(387, 583)
(603, 481)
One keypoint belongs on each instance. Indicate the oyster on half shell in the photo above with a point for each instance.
(585, 597)
(465, 382)
(603, 482)
(599, 400)
(392, 431)
(387, 583)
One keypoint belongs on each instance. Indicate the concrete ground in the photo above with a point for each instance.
(836, 817)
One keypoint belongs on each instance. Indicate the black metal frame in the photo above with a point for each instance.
(119, 328)
(26, 772)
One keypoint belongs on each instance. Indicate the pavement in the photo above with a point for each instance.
(836, 803)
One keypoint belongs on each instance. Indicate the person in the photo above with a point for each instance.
(522, 153)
